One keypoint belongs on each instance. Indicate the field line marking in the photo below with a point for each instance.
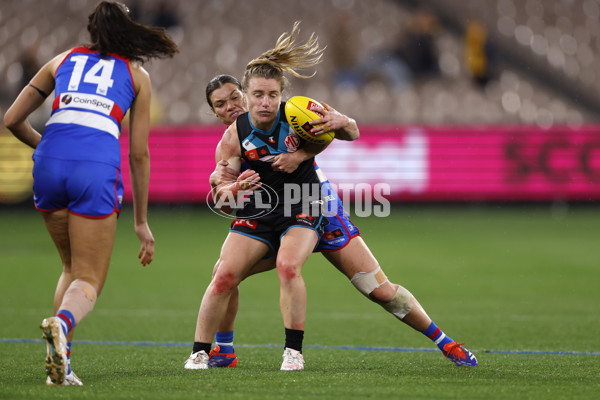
(262, 346)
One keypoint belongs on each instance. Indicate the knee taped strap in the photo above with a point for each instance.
(400, 305)
(79, 299)
(366, 282)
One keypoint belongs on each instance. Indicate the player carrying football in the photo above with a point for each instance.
(341, 243)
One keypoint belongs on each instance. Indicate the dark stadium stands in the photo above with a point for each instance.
(547, 56)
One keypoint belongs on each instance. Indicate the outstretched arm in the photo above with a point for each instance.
(345, 128)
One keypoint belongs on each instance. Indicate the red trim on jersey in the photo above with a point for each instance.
(82, 49)
(131, 75)
(117, 113)
(56, 103)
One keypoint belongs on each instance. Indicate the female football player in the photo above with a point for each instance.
(341, 243)
(347, 252)
(77, 178)
(288, 231)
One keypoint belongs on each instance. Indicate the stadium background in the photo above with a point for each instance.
(495, 184)
(493, 100)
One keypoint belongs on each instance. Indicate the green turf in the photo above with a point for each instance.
(501, 279)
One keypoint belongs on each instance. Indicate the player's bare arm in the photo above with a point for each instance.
(345, 128)
(226, 180)
(31, 97)
(223, 173)
(288, 162)
(139, 159)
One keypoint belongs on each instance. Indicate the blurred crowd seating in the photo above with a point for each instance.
(560, 37)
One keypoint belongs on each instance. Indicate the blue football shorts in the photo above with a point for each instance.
(86, 188)
(338, 232)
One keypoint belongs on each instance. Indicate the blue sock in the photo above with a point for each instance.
(67, 321)
(68, 358)
(225, 342)
(437, 336)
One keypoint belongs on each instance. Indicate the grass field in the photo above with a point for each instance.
(520, 285)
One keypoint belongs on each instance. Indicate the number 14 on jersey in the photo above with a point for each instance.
(100, 74)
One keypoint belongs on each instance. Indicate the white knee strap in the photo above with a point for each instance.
(401, 303)
(366, 282)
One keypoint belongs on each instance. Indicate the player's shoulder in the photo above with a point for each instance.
(57, 60)
(229, 143)
(138, 71)
(139, 75)
(231, 131)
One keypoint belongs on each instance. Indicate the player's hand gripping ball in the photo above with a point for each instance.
(299, 111)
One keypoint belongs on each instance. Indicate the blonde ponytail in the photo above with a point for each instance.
(286, 57)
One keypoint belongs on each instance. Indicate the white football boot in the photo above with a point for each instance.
(198, 360)
(292, 360)
(70, 380)
(56, 350)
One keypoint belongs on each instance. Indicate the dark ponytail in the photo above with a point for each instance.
(112, 30)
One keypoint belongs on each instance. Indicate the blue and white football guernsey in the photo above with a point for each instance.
(92, 94)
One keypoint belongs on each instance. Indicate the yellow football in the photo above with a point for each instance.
(299, 111)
